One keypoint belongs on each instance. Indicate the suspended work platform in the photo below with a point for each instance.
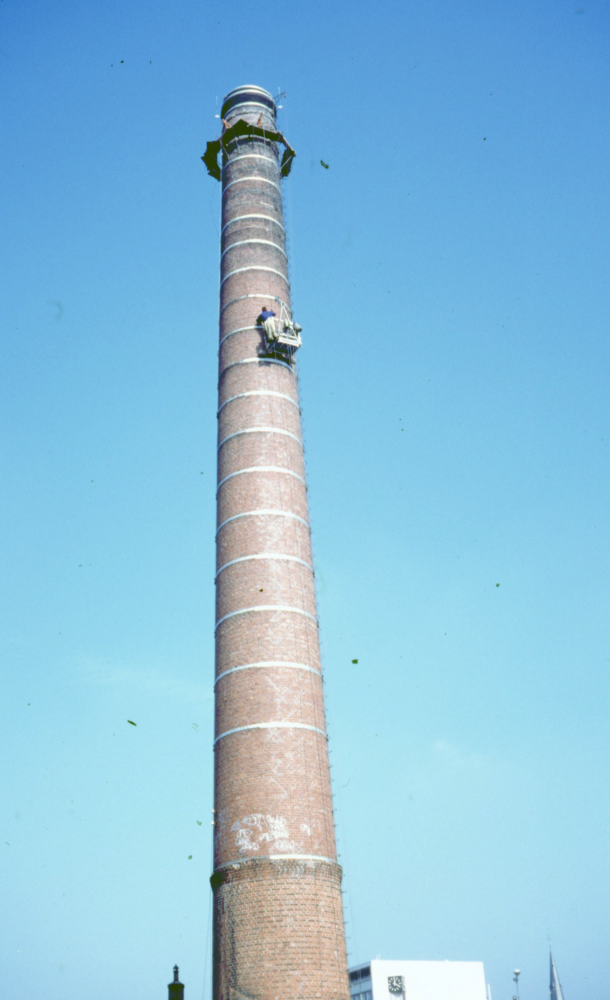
(281, 334)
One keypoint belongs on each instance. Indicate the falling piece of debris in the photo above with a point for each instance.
(354, 661)
(132, 723)
(325, 165)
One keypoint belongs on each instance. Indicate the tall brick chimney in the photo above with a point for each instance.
(278, 916)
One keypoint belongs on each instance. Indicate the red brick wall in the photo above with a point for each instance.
(278, 919)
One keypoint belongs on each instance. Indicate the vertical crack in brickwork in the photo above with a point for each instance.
(278, 916)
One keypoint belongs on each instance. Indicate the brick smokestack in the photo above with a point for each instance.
(278, 916)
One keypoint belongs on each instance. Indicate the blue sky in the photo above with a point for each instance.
(450, 273)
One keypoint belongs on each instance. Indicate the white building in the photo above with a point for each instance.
(397, 980)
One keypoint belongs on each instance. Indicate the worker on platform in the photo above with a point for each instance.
(267, 320)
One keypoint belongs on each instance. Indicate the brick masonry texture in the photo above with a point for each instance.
(258, 490)
(263, 636)
(278, 918)
(288, 915)
(257, 532)
(261, 448)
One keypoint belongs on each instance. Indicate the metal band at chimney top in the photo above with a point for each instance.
(278, 913)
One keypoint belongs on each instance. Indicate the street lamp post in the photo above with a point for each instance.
(516, 982)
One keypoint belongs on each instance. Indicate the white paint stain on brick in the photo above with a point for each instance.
(256, 829)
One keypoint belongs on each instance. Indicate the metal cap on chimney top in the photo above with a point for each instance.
(249, 102)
